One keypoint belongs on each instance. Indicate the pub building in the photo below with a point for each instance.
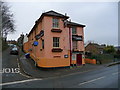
(55, 41)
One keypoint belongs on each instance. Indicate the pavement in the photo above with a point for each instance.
(31, 70)
(113, 63)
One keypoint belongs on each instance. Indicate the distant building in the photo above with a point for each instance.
(56, 42)
(95, 48)
(117, 48)
(25, 42)
(20, 40)
(25, 39)
(11, 42)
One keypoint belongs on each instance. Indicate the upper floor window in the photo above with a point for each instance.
(56, 41)
(55, 22)
(74, 44)
(74, 30)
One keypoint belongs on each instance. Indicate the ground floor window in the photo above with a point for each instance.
(73, 56)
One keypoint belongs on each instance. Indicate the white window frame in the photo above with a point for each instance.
(56, 43)
(55, 23)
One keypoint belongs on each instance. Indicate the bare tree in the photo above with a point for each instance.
(7, 20)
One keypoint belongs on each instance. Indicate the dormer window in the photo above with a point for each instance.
(55, 23)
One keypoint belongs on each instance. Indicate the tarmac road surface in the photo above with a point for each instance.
(103, 78)
(10, 68)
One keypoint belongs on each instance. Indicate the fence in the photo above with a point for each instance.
(91, 61)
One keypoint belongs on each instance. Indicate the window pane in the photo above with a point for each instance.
(74, 31)
(55, 22)
(54, 45)
(55, 41)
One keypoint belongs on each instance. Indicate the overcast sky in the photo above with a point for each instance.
(100, 18)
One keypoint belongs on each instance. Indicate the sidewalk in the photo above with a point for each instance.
(29, 68)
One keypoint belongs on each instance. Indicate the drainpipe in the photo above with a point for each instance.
(70, 46)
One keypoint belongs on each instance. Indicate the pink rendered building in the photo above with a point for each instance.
(56, 42)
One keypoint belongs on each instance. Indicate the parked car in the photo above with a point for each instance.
(14, 45)
(14, 51)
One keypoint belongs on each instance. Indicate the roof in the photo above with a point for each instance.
(49, 13)
(75, 24)
(53, 13)
(96, 45)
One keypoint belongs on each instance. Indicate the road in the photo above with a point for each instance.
(10, 69)
(102, 78)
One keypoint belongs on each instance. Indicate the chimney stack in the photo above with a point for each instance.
(65, 14)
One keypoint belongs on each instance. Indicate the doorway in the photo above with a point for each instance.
(79, 59)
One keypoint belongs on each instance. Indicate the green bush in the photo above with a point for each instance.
(103, 58)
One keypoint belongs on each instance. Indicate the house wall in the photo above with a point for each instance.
(80, 32)
(80, 46)
(26, 47)
(45, 57)
(40, 52)
(49, 39)
(49, 58)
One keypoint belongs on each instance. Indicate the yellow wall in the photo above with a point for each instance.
(54, 62)
(26, 47)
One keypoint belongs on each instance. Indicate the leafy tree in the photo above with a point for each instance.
(7, 24)
(118, 51)
(109, 49)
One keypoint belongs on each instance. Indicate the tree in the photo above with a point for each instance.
(118, 52)
(7, 24)
(109, 49)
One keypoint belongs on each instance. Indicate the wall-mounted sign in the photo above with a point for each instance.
(35, 43)
(40, 35)
(77, 38)
(65, 56)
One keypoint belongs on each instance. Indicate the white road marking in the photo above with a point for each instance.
(92, 80)
(24, 75)
(9, 83)
(20, 72)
